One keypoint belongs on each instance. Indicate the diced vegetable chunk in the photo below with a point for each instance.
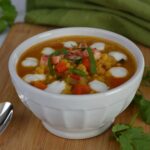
(39, 85)
(75, 76)
(86, 63)
(61, 67)
(55, 59)
(81, 89)
(44, 60)
(97, 55)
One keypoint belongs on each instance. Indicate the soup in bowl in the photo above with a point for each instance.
(76, 80)
(76, 65)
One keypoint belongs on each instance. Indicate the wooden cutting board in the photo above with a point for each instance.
(25, 131)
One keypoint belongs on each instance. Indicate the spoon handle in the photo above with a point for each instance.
(6, 122)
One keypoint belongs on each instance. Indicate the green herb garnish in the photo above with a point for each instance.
(131, 138)
(144, 107)
(78, 72)
(59, 52)
(92, 61)
(78, 61)
(50, 66)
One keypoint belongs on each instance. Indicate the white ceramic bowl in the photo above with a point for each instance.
(77, 116)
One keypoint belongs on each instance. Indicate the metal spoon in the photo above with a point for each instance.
(6, 113)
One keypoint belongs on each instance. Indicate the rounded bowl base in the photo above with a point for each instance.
(76, 134)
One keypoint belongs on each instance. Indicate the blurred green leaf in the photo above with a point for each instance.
(3, 25)
(7, 14)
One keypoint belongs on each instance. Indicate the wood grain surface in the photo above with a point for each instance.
(25, 131)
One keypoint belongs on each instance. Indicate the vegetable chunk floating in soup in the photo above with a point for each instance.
(76, 65)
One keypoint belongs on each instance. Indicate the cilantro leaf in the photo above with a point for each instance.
(125, 143)
(59, 52)
(131, 138)
(144, 107)
(119, 128)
